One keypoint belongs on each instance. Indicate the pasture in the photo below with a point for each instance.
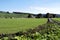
(46, 31)
(58, 19)
(19, 24)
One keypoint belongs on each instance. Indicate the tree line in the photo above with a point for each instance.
(26, 15)
(47, 15)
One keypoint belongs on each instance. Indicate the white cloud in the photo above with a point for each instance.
(36, 10)
(45, 10)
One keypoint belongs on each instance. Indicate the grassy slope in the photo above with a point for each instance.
(19, 24)
(3, 15)
(57, 19)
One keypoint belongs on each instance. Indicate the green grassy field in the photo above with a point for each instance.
(3, 15)
(49, 31)
(19, 24)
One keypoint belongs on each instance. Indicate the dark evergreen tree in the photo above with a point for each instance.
(54, 15)
(29, 16)
(47, 15)
(7, 12)
(39, 16)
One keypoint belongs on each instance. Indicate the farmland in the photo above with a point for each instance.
(58, 19)
(8, 15)
(38, 29)
(19, 24)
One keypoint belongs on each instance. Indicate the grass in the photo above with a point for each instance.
(50, 32)
(19, 24)
(57, 19)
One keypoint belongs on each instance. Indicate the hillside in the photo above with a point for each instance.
(9, 15)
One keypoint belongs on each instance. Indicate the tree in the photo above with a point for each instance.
(54, 15)
(39, 16)
(47, 15)
(7, 12)
(30, 15)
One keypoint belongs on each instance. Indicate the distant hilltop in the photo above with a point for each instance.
(27, 15)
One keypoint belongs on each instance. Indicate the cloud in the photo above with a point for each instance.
(37, 9)
(45, 10)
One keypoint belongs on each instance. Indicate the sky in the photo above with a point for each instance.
(31, 6)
